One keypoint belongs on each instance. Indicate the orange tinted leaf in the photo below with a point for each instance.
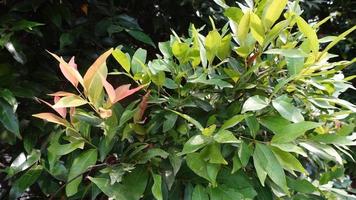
(105, 113)
(62, 111)
(95, 67)
(142, 108)
(124, 91)
(58, 110)
(109, 89)
(69, 71)
(52, 118)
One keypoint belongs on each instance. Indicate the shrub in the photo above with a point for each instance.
(242, 114)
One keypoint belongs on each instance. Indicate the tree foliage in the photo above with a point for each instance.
(246, 110)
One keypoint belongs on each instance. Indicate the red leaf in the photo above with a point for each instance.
(124, 91)
(69, 70)
(109, 89)
(58, 110)
(61, 111)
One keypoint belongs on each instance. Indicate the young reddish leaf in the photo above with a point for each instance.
(52, 118)
(109, 89)
(61, 111)
(105, 113)
(95, 67)
(142, 107)
(124, 91)
(69, 70)
(61, 94)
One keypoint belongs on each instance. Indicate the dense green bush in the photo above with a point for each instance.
(249, 110)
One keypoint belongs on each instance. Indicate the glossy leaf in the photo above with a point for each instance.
(79, 166)
(70, 101)
(9, 119)
(272, 12)
(310, 33)
(156, 188)
(255, 103)
(199, 193)
(225, 136)
(287, 110)
(123, 59)
(293, 131)
(233, 121)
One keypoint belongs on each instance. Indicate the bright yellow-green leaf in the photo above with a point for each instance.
(123, 59)
(243, 28)
(310, 33)
(224, 49)
(212, 44)
(272, 12)
(70, 101)
(257, 29)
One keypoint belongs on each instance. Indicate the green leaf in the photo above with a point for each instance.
(212, 44)
(272, 12)
(234, 13)
(199, 193)
(301, 185)
(70, 101)
(123, 59)
(333, 139)
(255, 103)
(294, 65)
(209, 130)
(290, 53)
(141, 36)
(233, 121)
(131, 188)
(244, 153)
(25, 181)
(274, 123)
(257, 29)
(23, 162)
(290, 147)
(138, 59)
(287, 110)
(225, 136)
(310, 33)
(156, 188)
(224, 49)
(195, 143)
(9, 119)
(288, 161)
(79, 166)
(159, 78)
(243, 28)
(222, 192)
(253, 125)
(268, 164)
(293, 131)
(189, 119)
(202, 168)
(213, 153)
(244, 185)
(62, 149)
